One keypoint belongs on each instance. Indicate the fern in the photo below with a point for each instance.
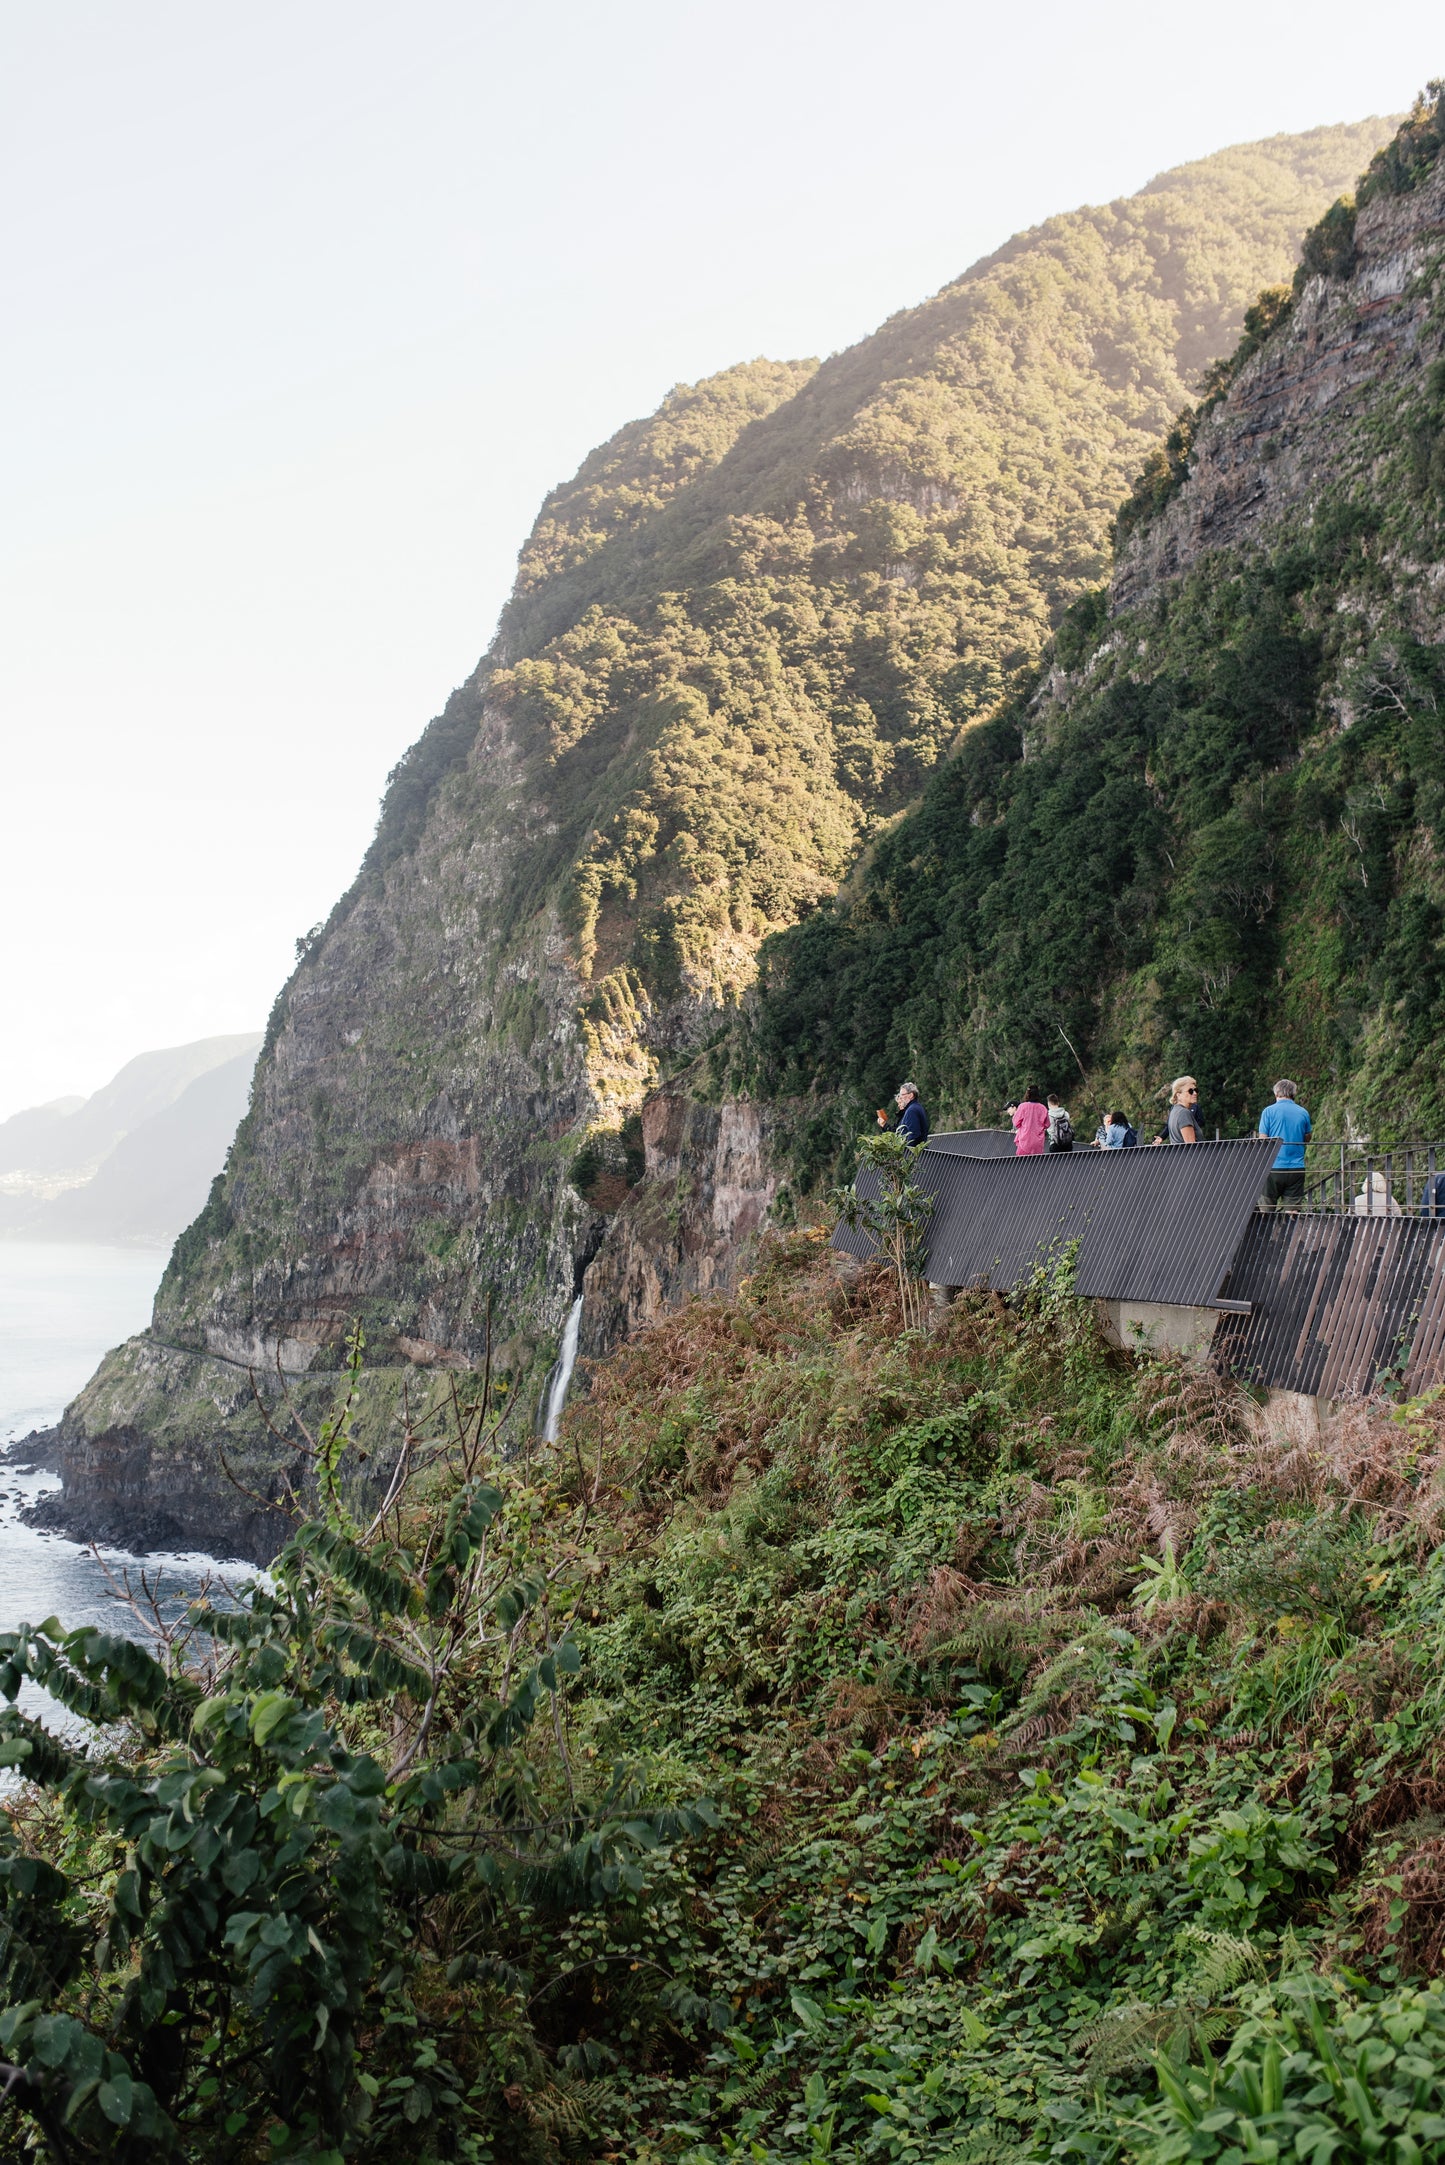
(1134, 2035)
(1225, 1963)
(566, 2109)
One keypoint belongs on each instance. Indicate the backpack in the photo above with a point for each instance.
(1061, 1132)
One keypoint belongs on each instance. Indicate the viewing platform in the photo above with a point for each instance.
(1339, 1298)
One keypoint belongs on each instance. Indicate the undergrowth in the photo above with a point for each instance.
(958, 1743)
(1064, 1725)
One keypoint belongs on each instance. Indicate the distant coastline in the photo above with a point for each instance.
(132, 1165)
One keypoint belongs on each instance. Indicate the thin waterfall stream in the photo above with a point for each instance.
(562, 1373)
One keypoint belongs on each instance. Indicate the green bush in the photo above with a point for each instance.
(262, 1854)
(406, 1863)
(1411, 154)
(1328, 249)
(1312, 2075)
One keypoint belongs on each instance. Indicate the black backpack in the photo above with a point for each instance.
(1061, 1133)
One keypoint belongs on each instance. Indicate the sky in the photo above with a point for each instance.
(308, 304)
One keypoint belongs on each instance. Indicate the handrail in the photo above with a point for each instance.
(1369, 1183)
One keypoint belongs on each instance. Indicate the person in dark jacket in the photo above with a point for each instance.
(912, 1122)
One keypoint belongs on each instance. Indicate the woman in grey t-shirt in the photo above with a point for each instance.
(1185, 1125)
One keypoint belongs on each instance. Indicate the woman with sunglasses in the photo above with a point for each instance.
(1185, 1125)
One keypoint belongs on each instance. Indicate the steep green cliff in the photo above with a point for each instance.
(1209, 837)
(741, 641)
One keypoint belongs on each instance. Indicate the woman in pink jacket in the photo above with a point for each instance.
(1031, 1124)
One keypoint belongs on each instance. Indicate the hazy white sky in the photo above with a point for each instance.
(307, 305)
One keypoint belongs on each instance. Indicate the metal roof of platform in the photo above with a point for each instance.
(1337, 1302)
(974, 1142)
(1151, 1225)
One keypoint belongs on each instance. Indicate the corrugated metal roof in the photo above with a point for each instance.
(1152, 1225)
(974, 1142)
(1334, 1302)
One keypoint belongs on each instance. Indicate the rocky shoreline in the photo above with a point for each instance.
(112, 1494)
(39, 1452)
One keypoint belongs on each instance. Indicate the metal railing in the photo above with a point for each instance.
(1367, 1183)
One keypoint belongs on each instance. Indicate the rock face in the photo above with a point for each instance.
(690, 1224)
(1279, 441)
(168, 1485)
(116, 1494)
(173, 1450)
(739, 641)
(403, 1151)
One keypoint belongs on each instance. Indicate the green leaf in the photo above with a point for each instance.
(975, 2032)
(241, 1870)
(53, 2038)
(116, 2099)
(269, 1711)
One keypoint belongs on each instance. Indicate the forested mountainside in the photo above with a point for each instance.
(1208, 838)
(741, 640)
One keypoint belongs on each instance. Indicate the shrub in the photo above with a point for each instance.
(1313, 2076)
(254, 1872)
(1411, 153)
(1328, 249)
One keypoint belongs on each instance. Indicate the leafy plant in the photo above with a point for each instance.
(1402, 163)
(280, 1818)
(1309, 2078)
(1163, 1582)
(887, 1205)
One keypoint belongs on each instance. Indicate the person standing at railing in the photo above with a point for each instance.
(1115, 1132)
(1030, 1119)
(912, 1119)
(1286, 1122)
(1185, 1122)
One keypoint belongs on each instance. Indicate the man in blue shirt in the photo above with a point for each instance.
(1291, 1124)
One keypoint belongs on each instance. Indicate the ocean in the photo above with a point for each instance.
(61, 1307)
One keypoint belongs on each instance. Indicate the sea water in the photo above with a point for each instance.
(61, 1306)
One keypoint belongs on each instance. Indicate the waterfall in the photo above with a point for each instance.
(562, 1373)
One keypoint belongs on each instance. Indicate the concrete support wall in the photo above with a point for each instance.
(1151, 1327)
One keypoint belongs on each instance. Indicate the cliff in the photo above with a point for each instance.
(691, 1222)
(1311, 412)
(1207, 837)
(741, 641)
